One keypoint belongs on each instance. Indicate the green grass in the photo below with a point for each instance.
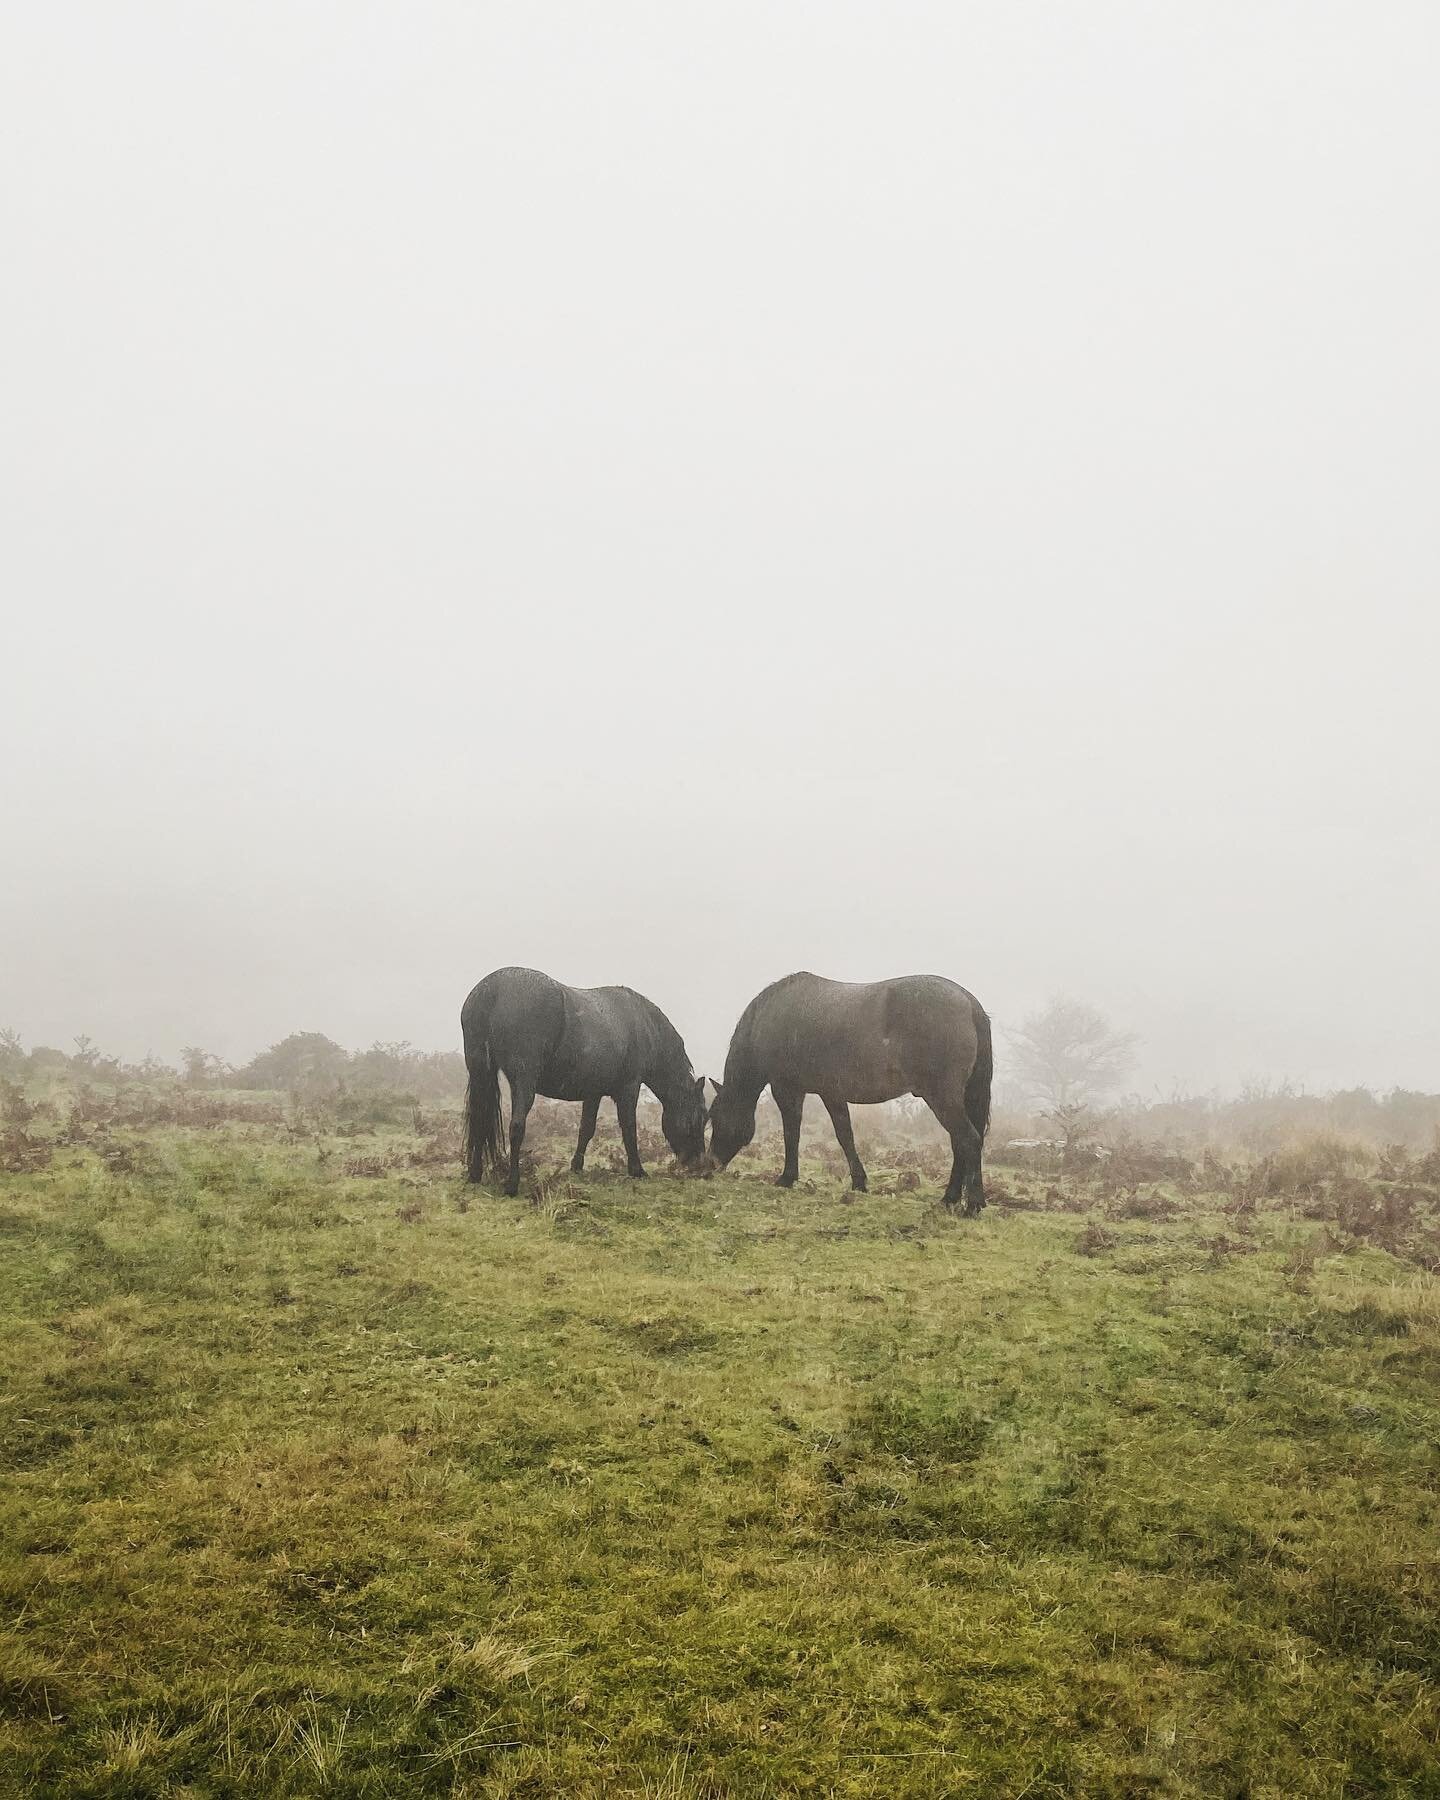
(320, 1482)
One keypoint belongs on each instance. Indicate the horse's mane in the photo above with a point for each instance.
(670, 1036)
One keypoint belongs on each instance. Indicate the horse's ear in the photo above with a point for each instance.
(700, 1086)
(716, 1085)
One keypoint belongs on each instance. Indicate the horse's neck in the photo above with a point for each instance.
(670, 1071)
(743, 1075)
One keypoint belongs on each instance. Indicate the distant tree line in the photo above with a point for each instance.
(1061, 1069)
(306, 1063)
(310, 1062)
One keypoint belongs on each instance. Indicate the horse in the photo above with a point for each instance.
(867, 1042)
(571, 1043)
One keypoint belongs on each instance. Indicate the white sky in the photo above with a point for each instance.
(675, 493)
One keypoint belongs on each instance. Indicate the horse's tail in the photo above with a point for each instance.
(483, 1123)
(977, 1088)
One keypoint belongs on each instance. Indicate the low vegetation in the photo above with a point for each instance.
(325, 1474)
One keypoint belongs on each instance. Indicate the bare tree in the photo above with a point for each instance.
(1068, 1057)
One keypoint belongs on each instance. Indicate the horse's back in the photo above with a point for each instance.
(870, 1039)
(926, 1005)
(605, 1017)
(573, 1041)
(815, 1003)
(519, 1012)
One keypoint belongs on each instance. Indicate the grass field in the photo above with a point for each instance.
(324, 1474)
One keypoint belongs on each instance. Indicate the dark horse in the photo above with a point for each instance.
(862, 1041)
(572, 1044)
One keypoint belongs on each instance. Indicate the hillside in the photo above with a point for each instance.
(324, 1473)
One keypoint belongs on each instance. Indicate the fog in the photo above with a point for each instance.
(676, 494)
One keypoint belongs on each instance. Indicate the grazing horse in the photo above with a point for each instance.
(572, 1044)
(862, 1041)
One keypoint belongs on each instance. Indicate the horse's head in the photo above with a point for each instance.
(732, 1124)
(682, 1119)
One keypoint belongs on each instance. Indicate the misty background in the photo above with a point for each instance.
(676, 494)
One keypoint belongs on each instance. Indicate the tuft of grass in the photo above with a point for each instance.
(498, 1660)
(133, 1743)
(668, 1334)
(1369, 1319)
(1094, 1240)
(931, 1426)
(320, 1744)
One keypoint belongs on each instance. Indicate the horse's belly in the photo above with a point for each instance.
(867, 1080)
(873, 1093)
(560, 1090)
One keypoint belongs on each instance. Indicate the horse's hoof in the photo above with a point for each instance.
(785, 1180)
(636, 1174)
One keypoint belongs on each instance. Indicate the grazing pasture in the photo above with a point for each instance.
(325, 1472)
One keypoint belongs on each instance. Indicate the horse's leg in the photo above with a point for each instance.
(522, 1098)
(839, 1113)
(625, 1103)
(588, 1110)
(965, 1147)
(791, 1102)
(974, 1180)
